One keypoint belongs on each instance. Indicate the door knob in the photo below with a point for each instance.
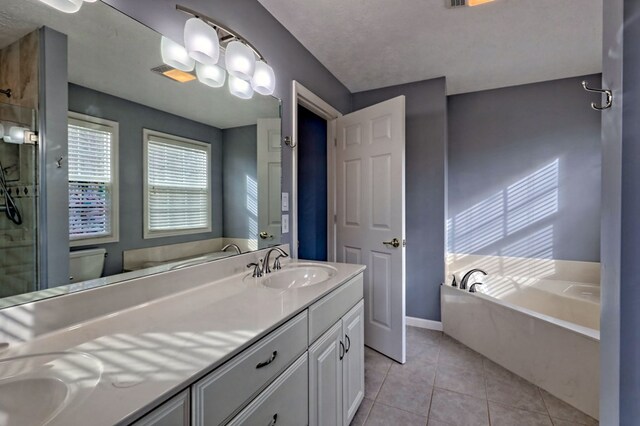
(264, 235)
(395, 243)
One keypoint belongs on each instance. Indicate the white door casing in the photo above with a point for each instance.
(370, 209)
(269, 182)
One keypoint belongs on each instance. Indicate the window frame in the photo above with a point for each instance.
(176, 141)
(100, 124)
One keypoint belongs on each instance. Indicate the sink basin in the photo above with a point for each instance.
(34, 389)
(299, 275)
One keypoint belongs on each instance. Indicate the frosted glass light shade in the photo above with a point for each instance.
(66, 6)
(90, 1)
(175, 55)
(263, 80)
(240, 88)
(240, 60)
(201, 41)
(15, 135)
(211, 75)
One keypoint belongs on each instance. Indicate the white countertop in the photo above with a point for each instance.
(151, 351)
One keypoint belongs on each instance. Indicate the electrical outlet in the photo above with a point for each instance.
(285, 223)
(285, 201)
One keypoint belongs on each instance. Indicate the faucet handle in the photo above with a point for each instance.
(276, 263)
(472, 289)
(257, 270)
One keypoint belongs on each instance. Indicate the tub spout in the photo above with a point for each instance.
(463, 281)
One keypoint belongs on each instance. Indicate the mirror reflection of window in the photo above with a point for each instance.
(178, 190)
(93, 180)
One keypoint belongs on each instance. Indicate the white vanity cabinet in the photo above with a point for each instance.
(336, 371)
(175, 412)
(308, 371)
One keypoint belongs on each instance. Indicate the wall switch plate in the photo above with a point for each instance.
(285, 223)
(285, 201)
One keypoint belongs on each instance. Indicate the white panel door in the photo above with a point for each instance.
(267, 190)
(370, 199)
(325, 378)
(353, 362)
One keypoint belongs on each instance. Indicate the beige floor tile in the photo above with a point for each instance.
(457, 409)
(405, 395)
(455, 353)
(422, 352)
(562, 411)
(432, 422)
(362, 413)
(460, 380)
(376, 361)
(414, 371)
(515, 393)
(383, 415)
(501, 415)
(423, 335)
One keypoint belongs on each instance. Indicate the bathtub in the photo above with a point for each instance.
(546, 331)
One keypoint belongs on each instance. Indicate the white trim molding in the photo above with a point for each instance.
(423, 323)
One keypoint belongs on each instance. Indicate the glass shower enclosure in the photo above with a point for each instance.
(18, 200)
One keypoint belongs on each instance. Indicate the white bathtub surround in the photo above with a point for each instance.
(560, 356)
(549, 269)
(155, 334)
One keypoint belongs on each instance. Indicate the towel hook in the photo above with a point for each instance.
(289, 142)
(607, 92)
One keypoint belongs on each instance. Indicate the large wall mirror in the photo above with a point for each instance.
(163, 170)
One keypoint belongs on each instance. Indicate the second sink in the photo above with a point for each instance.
(299, 275)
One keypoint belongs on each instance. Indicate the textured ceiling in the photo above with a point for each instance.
(112, 53)
(369, 44)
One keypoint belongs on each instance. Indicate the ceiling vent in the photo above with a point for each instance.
(456, 3)
(173, 74)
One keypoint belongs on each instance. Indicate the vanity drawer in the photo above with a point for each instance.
(224, 392)
(325, 312)
(284, 403)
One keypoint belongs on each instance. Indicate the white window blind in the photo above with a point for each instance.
(92, 205)
(178, 193)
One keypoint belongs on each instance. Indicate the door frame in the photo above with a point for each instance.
(305, 97)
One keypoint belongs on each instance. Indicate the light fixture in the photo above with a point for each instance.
(240, 60)
(66, 6)
(90, 1)
(478, 2)
(263, 80)
(15, 135)
(240, 88)
(211, 75)
(201, 41)
(175, 55)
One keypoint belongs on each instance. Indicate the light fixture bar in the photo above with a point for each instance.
(218, 26)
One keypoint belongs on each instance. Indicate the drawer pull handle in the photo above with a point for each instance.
(273, 420)
(267, 362)
(348, 343)
(341, 350)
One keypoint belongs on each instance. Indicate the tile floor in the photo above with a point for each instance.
(445, 383)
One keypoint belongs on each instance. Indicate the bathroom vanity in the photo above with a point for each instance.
(220, 347)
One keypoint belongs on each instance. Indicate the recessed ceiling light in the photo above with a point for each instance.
(478, 2)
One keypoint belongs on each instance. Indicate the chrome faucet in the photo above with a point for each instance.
(257, 270)
(276, 265)
(463, 281)
(235, 246)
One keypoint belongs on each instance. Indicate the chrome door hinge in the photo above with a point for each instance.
(31, 138)
(404, 243)
(335, 141)
(335, 218)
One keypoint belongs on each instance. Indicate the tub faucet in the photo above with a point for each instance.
(265, 266)
(463, 281)
(472, 289)
(233, 246)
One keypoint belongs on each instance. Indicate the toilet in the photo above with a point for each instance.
(86, 264)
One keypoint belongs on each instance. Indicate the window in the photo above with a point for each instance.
(177, 185)
(93, 180)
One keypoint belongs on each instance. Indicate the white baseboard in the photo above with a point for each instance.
(423, 323)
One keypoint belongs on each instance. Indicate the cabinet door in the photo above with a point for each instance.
(353, 362)
(325, 378)
(175, 412)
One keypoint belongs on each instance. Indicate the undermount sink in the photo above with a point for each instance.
(53, 381)
(298, 275)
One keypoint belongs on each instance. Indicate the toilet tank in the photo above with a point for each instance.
(86, 264)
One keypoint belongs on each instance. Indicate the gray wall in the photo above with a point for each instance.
(239, 173)
(289, 59)
(524, 172)
(132, 119)
(426, 142)
(53, 229)
(620, 317)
